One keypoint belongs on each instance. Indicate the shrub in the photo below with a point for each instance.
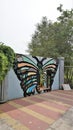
(7, 56)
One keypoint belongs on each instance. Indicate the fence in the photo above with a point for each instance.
(68, 75)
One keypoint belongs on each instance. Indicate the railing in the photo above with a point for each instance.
(68, 75)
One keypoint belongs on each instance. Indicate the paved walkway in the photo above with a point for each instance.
(48, 111)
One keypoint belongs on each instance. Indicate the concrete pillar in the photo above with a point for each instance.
(61, 71)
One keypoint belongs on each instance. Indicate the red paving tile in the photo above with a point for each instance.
(59, 106)
(62, 95)
(59, 98)
(69, 92)
(43, 111)
(49, 103)
(28, 120)
(39, 104)
(7, 107)
(66, 95)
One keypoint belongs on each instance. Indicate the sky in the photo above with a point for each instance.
(18, 19)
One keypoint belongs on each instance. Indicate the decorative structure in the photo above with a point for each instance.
(32, 75)
(35, 73)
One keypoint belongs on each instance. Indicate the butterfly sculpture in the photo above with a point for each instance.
(32, 72)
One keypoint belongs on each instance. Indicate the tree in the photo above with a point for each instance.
(54, 39)
(7, 56)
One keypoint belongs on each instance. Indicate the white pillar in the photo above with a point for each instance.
(61, 71)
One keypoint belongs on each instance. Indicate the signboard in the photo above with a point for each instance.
(66, 87)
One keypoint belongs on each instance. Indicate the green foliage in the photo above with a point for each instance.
(3, 66)
(7, 56)
(54, 39)
(68, 77)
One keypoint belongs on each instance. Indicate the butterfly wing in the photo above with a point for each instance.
(50, 64)
(50, 68)
(26, 71)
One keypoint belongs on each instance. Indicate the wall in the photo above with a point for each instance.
(11, 88)
(14, 89)
(55, 84)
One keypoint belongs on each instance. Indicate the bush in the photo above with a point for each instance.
(3, 66)
(7, 56)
